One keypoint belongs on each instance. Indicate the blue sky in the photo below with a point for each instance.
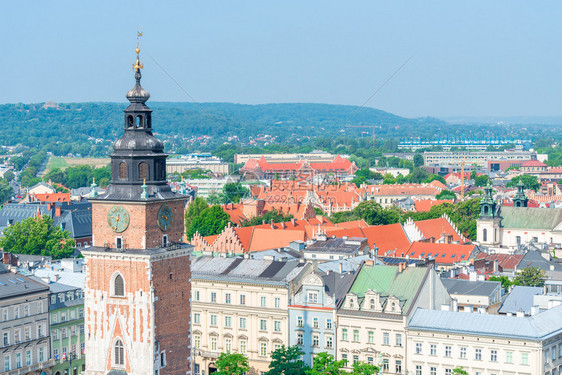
(471, 58)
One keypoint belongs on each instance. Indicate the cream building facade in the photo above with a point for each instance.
(241, 306)
(484, 344)
(372, 320)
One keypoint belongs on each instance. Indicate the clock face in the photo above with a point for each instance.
(118, 219)
(165, 217)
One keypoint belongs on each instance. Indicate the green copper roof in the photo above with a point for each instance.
(386, 281)
(530, 217)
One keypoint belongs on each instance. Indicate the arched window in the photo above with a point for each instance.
(484, 235)
(159, 173)
(119, 286)
(139, 121)
(486, 209)
(119, 353)
(122, 170)
(130, 121)
(372, 303)
(143, 171)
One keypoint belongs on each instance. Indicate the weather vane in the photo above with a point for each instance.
(138, 65)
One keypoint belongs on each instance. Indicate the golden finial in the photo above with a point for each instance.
(94, 180)
(144, 181)
(138, 65)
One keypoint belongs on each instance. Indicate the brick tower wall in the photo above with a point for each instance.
(143, 231)
(172, 312)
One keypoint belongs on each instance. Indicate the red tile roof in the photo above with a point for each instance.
(442, 252)
(533, 163)
(436, 228)
(505, 261)
(52, 197)
(424, 205)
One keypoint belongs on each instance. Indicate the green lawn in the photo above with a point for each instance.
(56, 162)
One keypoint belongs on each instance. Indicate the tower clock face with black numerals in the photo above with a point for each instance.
(165, 217)
(118, 219)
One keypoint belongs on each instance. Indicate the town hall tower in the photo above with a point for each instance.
(138, 287)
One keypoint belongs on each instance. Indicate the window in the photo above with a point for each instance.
(418, 370)
(263, 325)
(315, 340)
(299, 321)
(370, 360)
(277, 326)
(26, 310)
(385, 365)
(328, 323)
(263, 349)
(553, 351)
(213, 320)
(433, 371)
(122, 171)
(545, 356)
(432, 349)
(227, 298)
(263, 301)
(63, 317)
(398, 339)
(398, 367)
(315, 323)
(28, 358)
(63, 333)
(18, 360)
(73, 331)
(196, 295)
(243, 323)
(371, 337)
(119, 353)
(386, 338)
(55, 334)
(27, 333)
(356, 335)
(81, 329)
(344, 356)
(344, 334)
(355, 359)
(243, 346)
(463, 352)
(448, 351)
(213, 343)
(228, 345)
(277, 302)
(448, 371)
(196, 341)
(493, 355)
(418, 348)
(143, 171)
(6, 338)
(7, 363)
(17, 312)
(300, 339)
(228, 321)
(118, 286)
(478, 354)
(213, 297)
(312, 297)
(81, 313)
(524, 358)
(242, 299)
(509, 357)
(196, 318)
(5, 313)
(329, 342)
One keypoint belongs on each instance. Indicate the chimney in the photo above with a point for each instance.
(496, 265)
(57, 211)
(283, 224)
(272, 224)
(49, 206)
(534, 310)
(402, 266)
(369, 262)
(57, 277)
(293, 221)
(341, 267)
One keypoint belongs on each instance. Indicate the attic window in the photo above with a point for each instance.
(443, 256)
(462, 257)
(428, 254)
(422, 254)
(452, 256)
(413, 252)
(436, 255)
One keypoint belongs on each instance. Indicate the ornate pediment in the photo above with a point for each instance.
(313, 279)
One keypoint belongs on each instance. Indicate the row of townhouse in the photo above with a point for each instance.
(396, 317)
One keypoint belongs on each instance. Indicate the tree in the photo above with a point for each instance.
(9, 176)
(446, 194)
(275, 215)
(318, 211)
(233, 192)
(194, 209)
(325, 364)
(362, 368)
(211, 221)
(287, 361)
(418, 160)
(529, 182)
(481, 180)
(37, 236)
(531, 276)
(459, 371)
(473, 175)
(506, 282)
(6, 191)
(232, 364)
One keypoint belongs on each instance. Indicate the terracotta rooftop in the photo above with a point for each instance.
(505, 261)
(442, 252)
(424, 205)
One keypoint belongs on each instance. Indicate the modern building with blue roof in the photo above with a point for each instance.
(439, 341)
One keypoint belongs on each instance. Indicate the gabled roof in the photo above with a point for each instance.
(505, 261)
(530, 218)
(472, 288)
(390, 239)
(52, 197)
(337, 285)
(442, 253)
(538, 327)
(436, 228)
(521, 298)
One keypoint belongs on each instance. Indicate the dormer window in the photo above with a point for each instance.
(351, 305)
(373, 304)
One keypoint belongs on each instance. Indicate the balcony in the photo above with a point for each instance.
(37, 367)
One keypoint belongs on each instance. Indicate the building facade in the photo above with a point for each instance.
(240, 306)
(137, 290)
(24, 323)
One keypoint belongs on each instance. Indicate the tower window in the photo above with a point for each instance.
(143, 171)
(159, 173)
(119, 286)
(484, 235)
(130, 121)
(139, 121)
(119, 353)
(118, 243)
(165, 240)
(122, 170)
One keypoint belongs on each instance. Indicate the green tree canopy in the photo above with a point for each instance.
(6, 191)
(232, 364)
(212, 220)
(194, 209)
(362, 368)
(460, 371)
(275, 215)
(325, 364)
(287, 361)
(481, 180)
(418, 160)
(529, 182)
(446, 194)
(531, 276)
(233, 192)
(9, 176)
(37, 236)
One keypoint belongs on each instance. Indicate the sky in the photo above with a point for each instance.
(468, 58)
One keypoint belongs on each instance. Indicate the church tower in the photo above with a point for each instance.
(520, 199)
(138, 281)
(488, 223)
